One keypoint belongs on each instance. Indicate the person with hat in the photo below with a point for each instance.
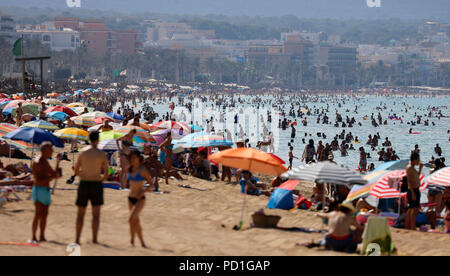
(340, 235)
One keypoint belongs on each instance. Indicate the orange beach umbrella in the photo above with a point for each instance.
(251, 160)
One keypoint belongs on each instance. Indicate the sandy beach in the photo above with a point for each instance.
(183, 222)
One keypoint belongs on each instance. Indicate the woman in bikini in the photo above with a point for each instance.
(166, 147)
(137, 176)
(124, 151)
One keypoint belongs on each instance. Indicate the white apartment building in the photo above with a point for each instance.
(56, 39)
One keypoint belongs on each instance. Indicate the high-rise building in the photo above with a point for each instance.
(7, 27)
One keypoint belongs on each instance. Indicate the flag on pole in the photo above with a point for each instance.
(17, 48)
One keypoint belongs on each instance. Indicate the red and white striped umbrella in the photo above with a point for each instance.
(388, 186)
(180, 126)
(440, 178)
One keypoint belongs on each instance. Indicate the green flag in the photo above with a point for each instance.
(17, 49)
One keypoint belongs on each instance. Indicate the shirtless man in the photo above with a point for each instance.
(92, 168)
(341, 237)
(413, 177)
(43, 174)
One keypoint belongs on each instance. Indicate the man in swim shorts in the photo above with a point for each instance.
(413, 194)
(42, 175)
(92, 168)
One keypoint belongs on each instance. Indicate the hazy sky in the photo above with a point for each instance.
(409, 9)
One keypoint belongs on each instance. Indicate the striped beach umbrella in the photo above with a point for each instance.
(142, 136)
(326, 172)
(388, 186)
(52, 101)
(83, 121)
(72, 134)
(5, 128)
(440, 178)
(182, 127)
(96, 114)
(41, 124)
(202, 139)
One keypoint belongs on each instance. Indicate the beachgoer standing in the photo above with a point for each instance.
(413, 194)
(138, 175)
(42, 175)
(92, 168)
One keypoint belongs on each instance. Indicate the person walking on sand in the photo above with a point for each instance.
(138, 175)
(92, 168)
(42, 175)
(413, 194)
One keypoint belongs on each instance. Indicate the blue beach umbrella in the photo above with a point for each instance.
(115, 116)
(34, 136)
(58, 115)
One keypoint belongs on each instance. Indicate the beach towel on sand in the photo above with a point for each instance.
(377, 231)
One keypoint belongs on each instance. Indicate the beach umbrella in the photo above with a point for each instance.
(388, 186)
(58, 115)
(141, 133)
(182, 127)
(13, 103)
(202, 139)
(76, 105)
(94, 128)
(52, 102)
(327, 173)
(361, 191)
(61, 108)
(101, 120)
(110, 135)
(96, 114)
(6, 128)
(440, 178)
(111, 145)
(72, 134)
(249, 159)
(142, 136)
(393, 165)
(79, 110)
(41, 124)
(115, 116)
(27, 107)
(3, 104)
(83, 121)
(34, 136)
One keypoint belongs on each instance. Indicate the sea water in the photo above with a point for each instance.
(402, 142)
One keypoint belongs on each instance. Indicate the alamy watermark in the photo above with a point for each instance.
(373, 3)
(74, 250)
(73, 3)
